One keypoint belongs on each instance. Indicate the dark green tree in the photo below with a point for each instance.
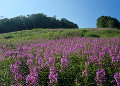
(107, 22)
(39, 20)
(111, 24)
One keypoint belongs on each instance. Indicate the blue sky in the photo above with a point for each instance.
(82, 12)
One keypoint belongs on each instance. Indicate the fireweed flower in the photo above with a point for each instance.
(18, 62)
(85, 72)
(41, 62)
(1, 58)
(14, 68)
(112, 52)
(115, 59)
(19, 85)
(37, 56)
(118, 60)
(105, 49)
(46, 55)
(32, 78)
(95, 59)
(93, 48)
(53, 76)
(51, 61)
(15, 72)
(20, 49)
(100, 76)
(18, 76)
(16, 84)
(29, 62)
(119, 52)
(31, 56)
(9, 53)
(22, 54)
(101, 54)
(117, 78)
(117, 48)
(38, 67)
(64, 63)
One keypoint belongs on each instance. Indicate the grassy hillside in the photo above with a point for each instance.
(58, 57)
(59, 33)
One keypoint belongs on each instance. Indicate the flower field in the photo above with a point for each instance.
(72, 61)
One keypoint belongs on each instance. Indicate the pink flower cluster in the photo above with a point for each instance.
(53, 76)
(18, 75)
(100, 76)
(117, 78)
(85, 72)
(32, 78)
(40, 54)
(64, 63)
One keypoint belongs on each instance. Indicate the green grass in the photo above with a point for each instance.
(40, 33)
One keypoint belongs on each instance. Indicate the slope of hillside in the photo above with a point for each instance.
(58, 57)
(40, 33)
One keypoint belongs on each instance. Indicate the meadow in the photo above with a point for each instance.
(60, 57)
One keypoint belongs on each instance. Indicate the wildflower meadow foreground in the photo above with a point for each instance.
(61, 62)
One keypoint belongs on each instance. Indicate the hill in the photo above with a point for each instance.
(40, 33)
(60, 57)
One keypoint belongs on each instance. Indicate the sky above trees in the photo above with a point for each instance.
(82, 12)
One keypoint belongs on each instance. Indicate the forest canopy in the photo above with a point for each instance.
(107, 22)
(39, 20)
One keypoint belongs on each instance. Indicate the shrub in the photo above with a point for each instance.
(107, 22)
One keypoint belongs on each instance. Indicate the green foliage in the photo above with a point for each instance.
(111, 24)
(57, 34)
(107, 22)
(5, 74)
(39, 20)
(91, 35)
(43, 77)
(8, 37)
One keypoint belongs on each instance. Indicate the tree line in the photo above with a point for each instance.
(107, 22)
(39, 20)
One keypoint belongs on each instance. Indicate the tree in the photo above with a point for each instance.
(107, 22)
(111, 24)
(39, 20)
(101, 22)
